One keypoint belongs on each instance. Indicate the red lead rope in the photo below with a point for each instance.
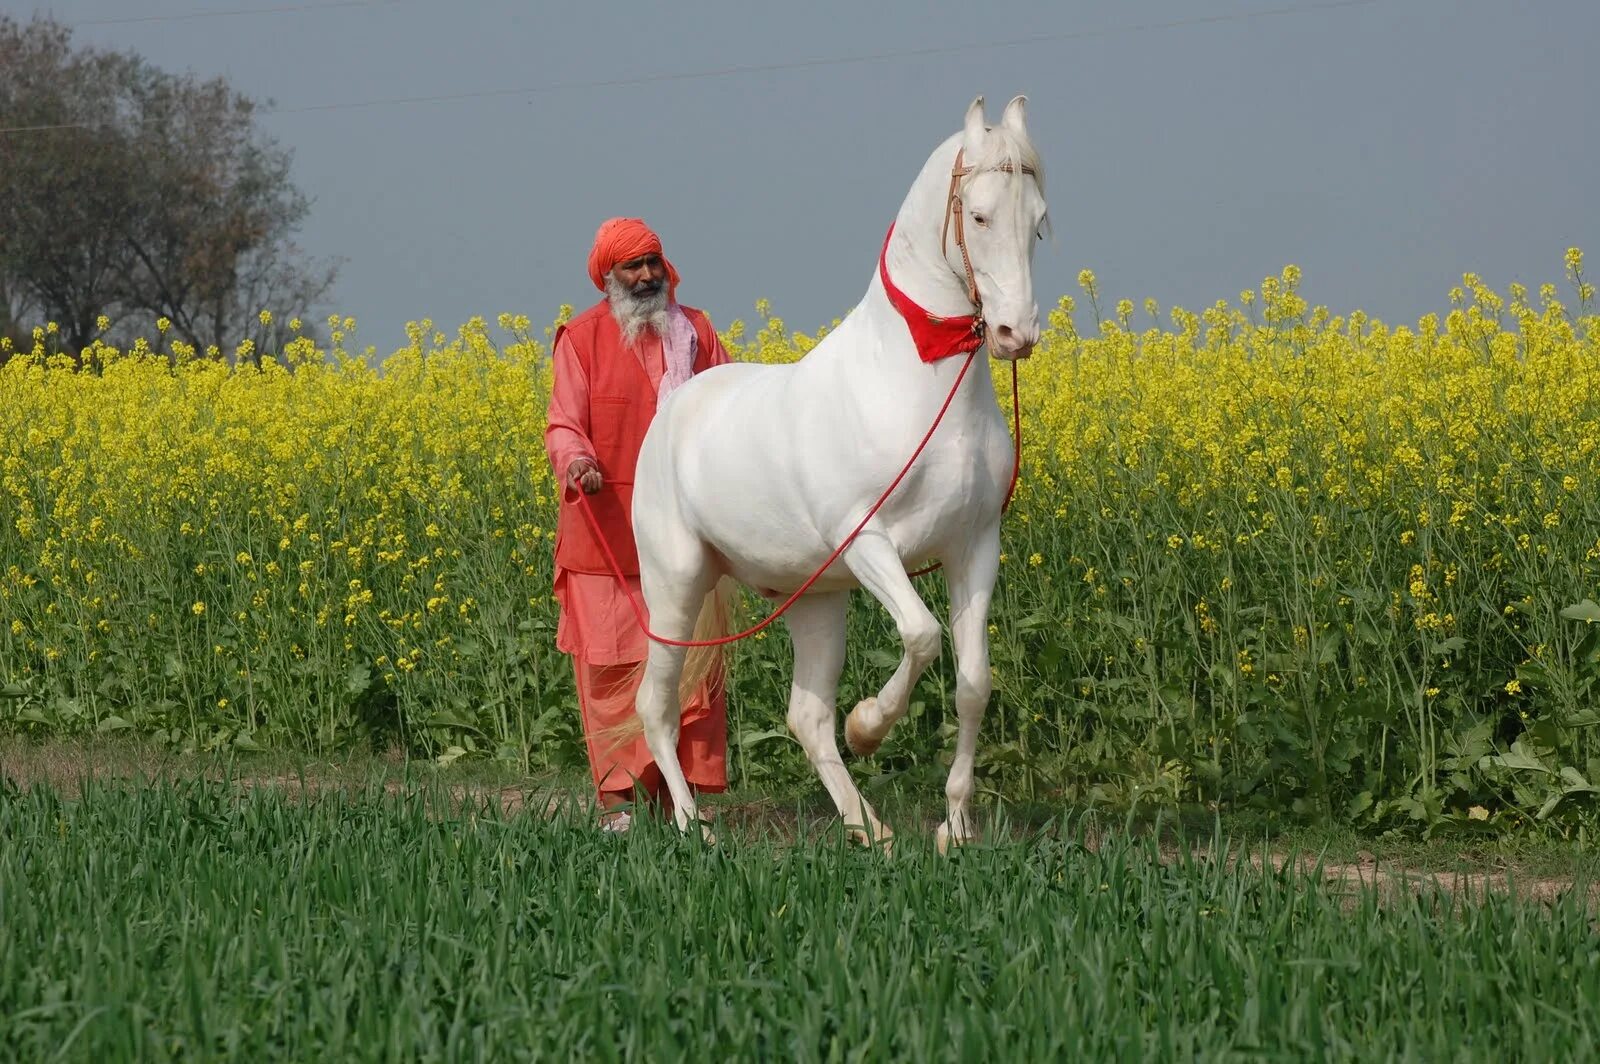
(1016, 469)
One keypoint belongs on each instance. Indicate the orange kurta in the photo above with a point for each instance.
(597, 626)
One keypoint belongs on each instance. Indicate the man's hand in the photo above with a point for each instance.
(584, 474)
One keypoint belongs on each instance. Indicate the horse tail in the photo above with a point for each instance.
(707, 664)
(702, 666)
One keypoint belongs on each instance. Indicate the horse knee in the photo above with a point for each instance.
(808, 718)
(921, 637)
(974, 685)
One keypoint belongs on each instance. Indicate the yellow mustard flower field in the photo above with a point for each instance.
(1262, 555)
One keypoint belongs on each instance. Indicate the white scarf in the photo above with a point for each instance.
(677, 352)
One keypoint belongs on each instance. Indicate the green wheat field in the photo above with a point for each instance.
(202, 920)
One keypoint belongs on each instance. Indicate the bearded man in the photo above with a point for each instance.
(613, 365)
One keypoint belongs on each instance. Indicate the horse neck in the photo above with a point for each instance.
(918, 267)
(916, 257)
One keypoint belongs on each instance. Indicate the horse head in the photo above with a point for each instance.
(997, 211)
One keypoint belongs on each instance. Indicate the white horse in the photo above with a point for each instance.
(759, 472)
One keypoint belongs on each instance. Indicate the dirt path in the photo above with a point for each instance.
(64, 768)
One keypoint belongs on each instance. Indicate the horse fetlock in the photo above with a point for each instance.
(959, 785)
(865, 727)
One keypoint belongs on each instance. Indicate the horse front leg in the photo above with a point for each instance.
(816, 626)
(875, 562)
(971, 577)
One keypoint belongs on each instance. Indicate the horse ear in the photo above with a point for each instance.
(1014, 119)
(972, 135)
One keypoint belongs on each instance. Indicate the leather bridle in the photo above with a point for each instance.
(953, 209)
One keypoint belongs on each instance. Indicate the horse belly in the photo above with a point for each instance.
(770, 539)
(737, 472)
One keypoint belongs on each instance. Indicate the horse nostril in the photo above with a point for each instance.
(1004, 333)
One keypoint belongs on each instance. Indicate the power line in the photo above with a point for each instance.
(183, 16)
(798, 64)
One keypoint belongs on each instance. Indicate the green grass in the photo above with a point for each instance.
(188, 919)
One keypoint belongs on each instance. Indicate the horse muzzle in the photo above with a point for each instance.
(1012, 344)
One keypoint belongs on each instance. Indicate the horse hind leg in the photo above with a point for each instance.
(972, 580)
(816, 626)
(674, 596)
(876, 563)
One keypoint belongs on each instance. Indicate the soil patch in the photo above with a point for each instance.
(65, 767)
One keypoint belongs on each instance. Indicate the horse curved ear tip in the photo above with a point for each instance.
(975, 125)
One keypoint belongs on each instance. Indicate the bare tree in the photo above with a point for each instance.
(145, 194)
(64, 201)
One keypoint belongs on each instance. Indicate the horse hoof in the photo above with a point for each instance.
(947, 840)
(861, 742)
(884, 841)
(706, 834)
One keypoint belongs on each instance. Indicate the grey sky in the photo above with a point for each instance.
(1384, 148)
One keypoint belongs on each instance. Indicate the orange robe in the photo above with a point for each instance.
(597, 626)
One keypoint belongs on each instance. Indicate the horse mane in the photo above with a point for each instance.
(1002, 147)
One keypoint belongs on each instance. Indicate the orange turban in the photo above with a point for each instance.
(622, 240)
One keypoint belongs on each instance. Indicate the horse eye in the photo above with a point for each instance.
(980, 219)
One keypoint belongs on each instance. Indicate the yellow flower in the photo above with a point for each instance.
(379, 485)
(198, 608)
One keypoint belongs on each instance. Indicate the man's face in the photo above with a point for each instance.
(643, 277)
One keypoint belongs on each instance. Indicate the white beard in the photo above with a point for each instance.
(634, 314)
